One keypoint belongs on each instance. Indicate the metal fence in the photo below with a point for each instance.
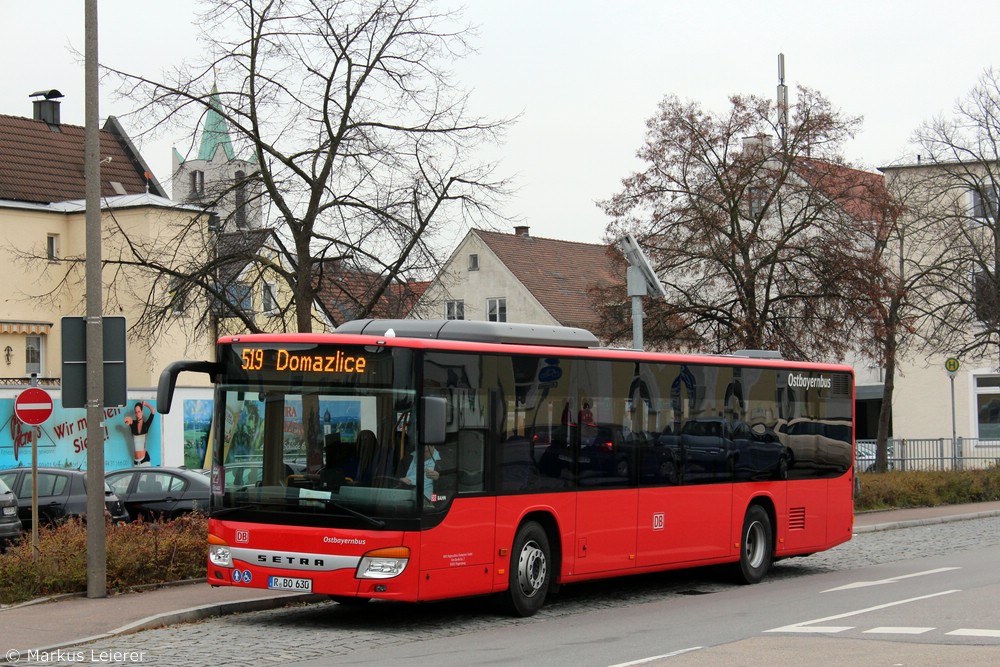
(931, 454)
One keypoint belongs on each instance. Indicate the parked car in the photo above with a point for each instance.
(62, 493)
(10, 524)
(155, 493)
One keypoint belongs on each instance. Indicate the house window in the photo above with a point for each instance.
(988, 406)
(454, 310)
(986, 297)
(52, 247)
(197, 183)
(269, 298)
(758, 197)
(473, 262)
(33, 355)
(984, 207)
(240, 298)
(178, 296)
(496, 310)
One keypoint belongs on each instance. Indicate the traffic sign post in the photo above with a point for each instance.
(951, 365)
(33, 406)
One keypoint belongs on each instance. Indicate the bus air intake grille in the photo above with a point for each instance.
(797, 518)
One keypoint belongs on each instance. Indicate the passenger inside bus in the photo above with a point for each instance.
(431, 457)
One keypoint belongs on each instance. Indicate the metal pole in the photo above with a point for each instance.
(34, 495)
(636, 289)
(953, 452)
(96, 532)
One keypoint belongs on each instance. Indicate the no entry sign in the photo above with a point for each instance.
(33, 406)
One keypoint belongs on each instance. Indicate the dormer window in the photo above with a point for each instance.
(473, 262)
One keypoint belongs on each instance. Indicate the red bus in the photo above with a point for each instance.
(419, 460)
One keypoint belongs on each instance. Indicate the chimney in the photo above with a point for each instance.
(47, 109)
(521, 230)
(759, 144)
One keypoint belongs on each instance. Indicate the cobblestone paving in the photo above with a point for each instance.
(328, 630)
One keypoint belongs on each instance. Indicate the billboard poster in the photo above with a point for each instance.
(197, 431)
(131, 437)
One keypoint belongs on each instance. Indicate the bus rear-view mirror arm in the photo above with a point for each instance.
(168, 379)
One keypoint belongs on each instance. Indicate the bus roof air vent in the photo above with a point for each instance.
(476, 332)
(758, 354)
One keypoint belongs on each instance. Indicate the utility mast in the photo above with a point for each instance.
(782, 98)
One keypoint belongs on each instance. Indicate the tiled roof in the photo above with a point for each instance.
(238, 249)
(560, 274)
(342, 291)
(862, 194)
(42, 165)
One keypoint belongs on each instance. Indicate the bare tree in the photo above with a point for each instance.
(760, 232)
(959, 168)
(914, 255)
(363, 144)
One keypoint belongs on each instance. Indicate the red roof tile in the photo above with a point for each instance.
(342, 291)
(42, 165)
(560, 274)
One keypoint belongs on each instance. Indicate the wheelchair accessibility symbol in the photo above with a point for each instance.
(243, 576)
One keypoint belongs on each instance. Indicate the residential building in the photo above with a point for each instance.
(497, 277)
(950, 226)
(42, 224)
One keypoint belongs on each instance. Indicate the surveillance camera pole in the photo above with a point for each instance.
(642, 281)
(636, 290)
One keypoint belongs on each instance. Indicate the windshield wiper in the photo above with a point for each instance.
(378, 523)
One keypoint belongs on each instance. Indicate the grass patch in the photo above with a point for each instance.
(138, 554)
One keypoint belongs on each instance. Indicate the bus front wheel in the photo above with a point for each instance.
(755, 546)
(530, 573)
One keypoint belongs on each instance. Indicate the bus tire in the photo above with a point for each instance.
(530, 573)
(755, 546)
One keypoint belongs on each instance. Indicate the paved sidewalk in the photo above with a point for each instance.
(72, 620)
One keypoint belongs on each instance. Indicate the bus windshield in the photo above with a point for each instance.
(316, 434)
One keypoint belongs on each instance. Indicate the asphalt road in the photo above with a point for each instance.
(698, 612)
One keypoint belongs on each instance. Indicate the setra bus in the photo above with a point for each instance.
(418, 460)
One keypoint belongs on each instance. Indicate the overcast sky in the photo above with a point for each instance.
(586, 74)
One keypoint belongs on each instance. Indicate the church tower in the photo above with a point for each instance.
(216, 178)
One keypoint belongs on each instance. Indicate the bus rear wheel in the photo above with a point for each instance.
(755, 546)
(530, 573)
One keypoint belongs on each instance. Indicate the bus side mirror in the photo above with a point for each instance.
(168, 380)
(432, 431)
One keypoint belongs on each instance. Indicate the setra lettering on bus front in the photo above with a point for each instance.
(288, 560)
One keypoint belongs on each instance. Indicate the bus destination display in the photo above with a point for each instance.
(322, 360)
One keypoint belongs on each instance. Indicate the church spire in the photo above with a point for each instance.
(214, 131)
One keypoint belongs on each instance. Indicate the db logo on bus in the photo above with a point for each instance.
(243, 536)
(658, 521)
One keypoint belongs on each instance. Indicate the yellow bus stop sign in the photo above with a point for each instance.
(951, 365)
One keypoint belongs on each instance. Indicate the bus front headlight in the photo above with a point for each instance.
(383, 563)
(218, 552)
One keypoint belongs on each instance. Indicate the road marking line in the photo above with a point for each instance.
(898, 631)
(799, 627)
(971, 632)
(863, 584)
(658, 657)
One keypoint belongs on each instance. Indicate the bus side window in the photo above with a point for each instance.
(470, 461)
